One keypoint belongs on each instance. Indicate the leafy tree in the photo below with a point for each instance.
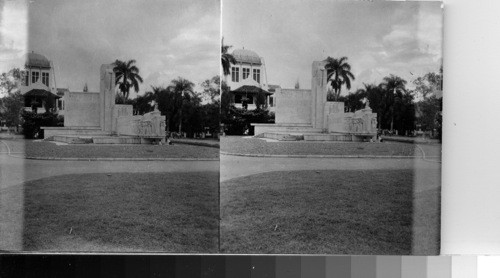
(330, 95)
(238, 120)
(429, 107)
(10, 81)
(192, 115)
(376, 96)
(127, 76)
(354, 101)
(211, 117)
(404, 112)
(167, 101)
(11, 107)
(394, 86)
(211, 89)
(261, 100)
(12, 102)
(184, 88)
(32, 123)
(429, 84)
(226, 58)
(338, 73)
(120, 99)
(143, 104)
(225, 103)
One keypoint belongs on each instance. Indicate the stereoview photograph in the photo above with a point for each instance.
(109, 115)
(331, 115)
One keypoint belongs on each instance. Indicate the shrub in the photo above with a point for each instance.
(238, 120)
(33, 121)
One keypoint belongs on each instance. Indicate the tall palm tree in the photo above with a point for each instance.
(127, 76)
(394, 87)
(338, 73)
(226, 58)
(182, 86)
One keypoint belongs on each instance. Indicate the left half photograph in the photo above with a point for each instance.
(109, 126)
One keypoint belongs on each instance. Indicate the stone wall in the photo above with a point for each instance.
(82, 109)
(293, 106)
(334, 116)
(121, 110)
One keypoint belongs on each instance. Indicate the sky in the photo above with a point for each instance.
(379, 38)
(167, 38)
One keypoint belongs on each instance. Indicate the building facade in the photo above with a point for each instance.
(39, 85)
(248, 79)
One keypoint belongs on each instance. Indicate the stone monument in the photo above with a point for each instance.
(307, 115)
(95, 118)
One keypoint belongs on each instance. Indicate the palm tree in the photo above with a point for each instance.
(127, 76)
(226, 58)
(338, 73)
(182, 86)
(394, 86)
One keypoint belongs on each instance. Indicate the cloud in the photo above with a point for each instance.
(167, 38)
(13, 34)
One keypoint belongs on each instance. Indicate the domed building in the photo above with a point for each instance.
(248, 78)
(39, 86)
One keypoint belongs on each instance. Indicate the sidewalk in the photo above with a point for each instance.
(197, 142)
(6, 135)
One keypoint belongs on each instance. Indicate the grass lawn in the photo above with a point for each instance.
(49, 149)
(332, 212)
(174, 212)
(234, 144)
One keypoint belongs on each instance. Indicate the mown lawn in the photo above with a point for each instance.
(235, 144)
(326, 212)
(50, 149)
(167, 212)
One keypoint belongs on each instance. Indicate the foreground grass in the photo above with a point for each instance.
(234, 144)
(49, 149)
(332, 212)
(174, 212)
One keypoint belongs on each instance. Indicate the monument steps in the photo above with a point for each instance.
(285, 128)
(333, 137)
(102, 139)
(282, 136)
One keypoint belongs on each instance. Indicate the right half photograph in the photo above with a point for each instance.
(331, 113)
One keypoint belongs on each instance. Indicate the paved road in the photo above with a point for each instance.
(14, 171)
(239, 166)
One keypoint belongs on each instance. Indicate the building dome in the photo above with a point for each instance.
(246, 56)
(37, 60)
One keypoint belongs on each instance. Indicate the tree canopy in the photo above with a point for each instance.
(127, 76)
(226, 58)
(11, 100)
(338, 74)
